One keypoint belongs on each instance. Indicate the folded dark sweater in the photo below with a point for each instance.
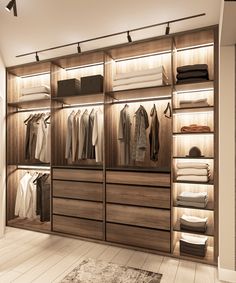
(193, 74)
(192, 228)
(185, 250)
(195, 67)
(191, 80)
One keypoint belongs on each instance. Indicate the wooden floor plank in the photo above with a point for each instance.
(123, 256)
(204, 274)
(137, 259)
(153, 263)
(168, 269)
(185, 272)
(109, 253)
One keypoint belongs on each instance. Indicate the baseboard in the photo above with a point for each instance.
(226, 274)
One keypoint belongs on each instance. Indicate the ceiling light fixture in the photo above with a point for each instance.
(78, 48)
(37, 56)
(10, 5)
(168, 28)
(129, 37)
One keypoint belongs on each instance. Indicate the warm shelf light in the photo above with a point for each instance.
(33, 167)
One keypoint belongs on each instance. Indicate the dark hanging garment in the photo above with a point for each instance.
(43, 197)
(90, 148)
(154, 135)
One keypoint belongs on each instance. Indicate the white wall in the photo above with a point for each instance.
(2, 146)
(227, 164)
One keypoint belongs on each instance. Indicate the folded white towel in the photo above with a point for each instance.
(139, 73)
(199, 240)
(193, 219)
(139, 85)
(192, 203)
(36, 89)
(192, 171)
(193, 178)
(196, 165)
(191, 196)
(36, 96)
(193, 101)
(140, 79)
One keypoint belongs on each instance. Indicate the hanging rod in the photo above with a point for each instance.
(166, 97)
(111, 35)
(65, 106)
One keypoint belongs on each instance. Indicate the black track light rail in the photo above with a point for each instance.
(111, 35)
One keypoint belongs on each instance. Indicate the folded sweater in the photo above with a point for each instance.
(199, 165)
(36, 89)
(140, 73)
(193, 74)
(193, 178)
(139, 85)
(192, 197)
(36, 96)
(192, 171)
(194, 239)
(192, 203)
(195, 67)
(193, 221)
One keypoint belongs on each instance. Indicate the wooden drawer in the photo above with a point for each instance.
(77, 226)
(136, 195)
(139, 216)
(78, 208)
(139, 237)
(137, 178)
(78, 190)
(78, 175)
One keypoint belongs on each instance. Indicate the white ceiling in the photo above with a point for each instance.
(46, 23)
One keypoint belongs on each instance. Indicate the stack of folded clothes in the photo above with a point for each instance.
(194, 128)
(193, 245)
(193, 103)
(191, 199)
(138, 79)
(192, 73)
(193, 223)
(193, 171)
(35, 93)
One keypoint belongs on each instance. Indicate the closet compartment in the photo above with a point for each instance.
(28, 202)
(146, 238)
(78, 200)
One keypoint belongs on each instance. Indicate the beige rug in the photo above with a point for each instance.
(98, 271)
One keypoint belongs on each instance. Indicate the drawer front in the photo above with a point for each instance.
(78, 190)
(78, 175)
(136, 195)
(78, 227)
(139, 237)
(137, 178)
(78, 208)
(139, 216)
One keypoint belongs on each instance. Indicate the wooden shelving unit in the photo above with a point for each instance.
(108, 200)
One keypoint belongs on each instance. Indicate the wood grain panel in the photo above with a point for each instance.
(78, 208)
(137, 178)
(78, 190)
(140, 237)
(30, 68)
(76, 226)
(139, 216)
(78, 175)
(136, 195)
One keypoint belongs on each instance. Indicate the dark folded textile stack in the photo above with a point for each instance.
(192, 73)
(194, 128)
(193, 245)
(193, 223)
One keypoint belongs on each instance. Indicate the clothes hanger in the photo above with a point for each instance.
(30, 116)
(168, 108)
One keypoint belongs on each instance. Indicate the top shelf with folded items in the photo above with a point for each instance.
(33, 97)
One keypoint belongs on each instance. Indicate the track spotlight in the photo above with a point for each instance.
(10, 5)
(37, 56)
(168, 29)
(78, 48)
(129, 37)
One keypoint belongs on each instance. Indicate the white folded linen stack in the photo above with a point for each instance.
(192, 199)
(193, 223)
(138, 79)
(35, 93)
(193, 103)
(193, 172)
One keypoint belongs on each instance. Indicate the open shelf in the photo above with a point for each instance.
(211, 182)
(189, 157)
(209, 206)
(197, 86)
(209, 230)
(36, 104)
(192, 133)
(209, 257)
(193, 109)
(80, 99)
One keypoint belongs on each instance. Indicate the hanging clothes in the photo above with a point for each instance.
(75, 134)
(97, 138)
(42, 143)
(70, 121)
(31, 198)
(140, 139)
(43, 197)
(21, 202)
(90, 149)
(154, 135)
(124, 133)
(83, 128)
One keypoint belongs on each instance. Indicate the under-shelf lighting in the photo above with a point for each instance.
(33, 167)
(84, 66)
(143, 56)
(193, 90)
(130, 100)
(34, 75)
(211, 44)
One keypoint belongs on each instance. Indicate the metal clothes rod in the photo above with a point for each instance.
(65, 106)
(140, 100)
(112, 34)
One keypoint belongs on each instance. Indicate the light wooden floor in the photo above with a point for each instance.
(34, 257)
